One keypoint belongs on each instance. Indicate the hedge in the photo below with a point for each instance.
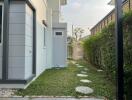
(99, 49)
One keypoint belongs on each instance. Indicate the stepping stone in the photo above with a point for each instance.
(85, 81)
(77, 64)
(83, 72)
(82, 75)
(80, 66)
(73, 62)
(85, 69)
(100, 70)
(84, 90)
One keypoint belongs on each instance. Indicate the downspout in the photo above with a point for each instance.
(5, 40)
(119, 50)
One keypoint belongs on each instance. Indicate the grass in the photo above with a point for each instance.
(62, 82)
(100, 83)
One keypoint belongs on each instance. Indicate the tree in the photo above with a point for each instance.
(77, 33)
(70, 46)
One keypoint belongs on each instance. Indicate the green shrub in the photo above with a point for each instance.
(99, 49)
(128, 82)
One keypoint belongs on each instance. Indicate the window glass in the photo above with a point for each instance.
(58, 33)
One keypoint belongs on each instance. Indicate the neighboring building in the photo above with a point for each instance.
(77, 50)
(31, 40)
(110, 17)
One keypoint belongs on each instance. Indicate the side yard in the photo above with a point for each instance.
(62, 82)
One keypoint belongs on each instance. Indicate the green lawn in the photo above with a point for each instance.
(62, 82)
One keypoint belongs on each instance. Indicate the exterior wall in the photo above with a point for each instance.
(49, 39)
(110, 17)
(55, 6)
(77, 51)
(59, 48)
(28, 42)
(52, 47)
(21, 39)
(16, 41)
(40, 6)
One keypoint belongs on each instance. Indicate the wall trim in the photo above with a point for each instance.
(17, 81)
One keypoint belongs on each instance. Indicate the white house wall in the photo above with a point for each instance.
(40, 6)
(21, 39)
(28, 42)
(49, 40)
(55, 6)
(41, 50)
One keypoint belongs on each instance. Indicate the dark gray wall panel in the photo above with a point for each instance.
(16, 68)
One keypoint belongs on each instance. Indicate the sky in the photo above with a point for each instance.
(84, 13)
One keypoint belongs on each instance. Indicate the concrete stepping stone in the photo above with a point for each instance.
(73, 62)
(85, 81)
(77, 64)
(82, 75)
(80, 66)
(84, 90)
(83, 72)
(100, 70)
(86, 69)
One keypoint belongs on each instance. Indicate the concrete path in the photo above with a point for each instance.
(49, 99)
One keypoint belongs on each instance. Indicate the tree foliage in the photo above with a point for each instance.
(78, 32)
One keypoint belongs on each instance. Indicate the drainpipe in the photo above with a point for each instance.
(5, 40)
(119, 50)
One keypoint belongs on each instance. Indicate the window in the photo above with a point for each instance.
(1, 14)
(58, 33)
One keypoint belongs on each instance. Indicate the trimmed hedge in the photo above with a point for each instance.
(99, 49)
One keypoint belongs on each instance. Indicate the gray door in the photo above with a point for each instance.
(59, 48)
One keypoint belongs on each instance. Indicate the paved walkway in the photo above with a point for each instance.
(49, 99)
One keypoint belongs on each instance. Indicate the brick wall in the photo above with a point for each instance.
(127, 5)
